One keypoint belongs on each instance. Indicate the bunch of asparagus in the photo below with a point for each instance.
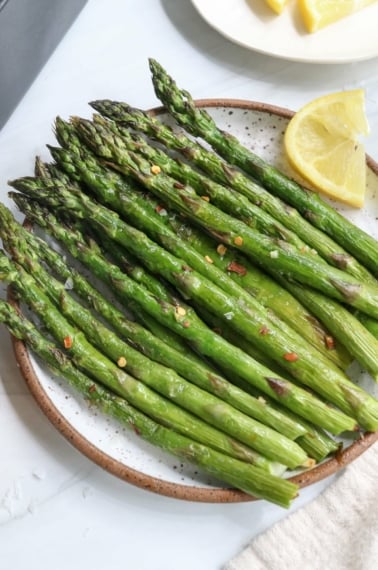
(246, 310)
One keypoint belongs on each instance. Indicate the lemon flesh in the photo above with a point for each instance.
(321, 142)
(317, 14)
(277, 5)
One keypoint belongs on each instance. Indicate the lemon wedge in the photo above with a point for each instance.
(277, 5)
(317, 14)
(321, 142)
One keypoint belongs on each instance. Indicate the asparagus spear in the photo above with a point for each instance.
(201, 375)
(158, 377)
(253, 480)
(239, 206)
(116, 192)
(370, 324)
(316, 443)
(333, 315)
(307, 365)
(273, 254)
(340, 322)
(49, 171)
(208, 343)
(116, 254)
(180, 104)
(360, 343)
(109, 373)
(226, 174)
(266, 318)
(352, 332)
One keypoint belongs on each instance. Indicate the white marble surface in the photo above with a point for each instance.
(57, 509)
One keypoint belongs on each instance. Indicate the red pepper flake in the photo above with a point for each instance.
(330, 342)
(291, 356)
(92, 388)
(236, 268)
(186, 324)
(135, 429)
(67, 341)
(264, 330)
(159, 208)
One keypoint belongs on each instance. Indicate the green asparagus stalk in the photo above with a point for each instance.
(118, 194)
(162, 379)
(370, 324)
(180, 104)
(201, 375)
(317, 444)
(359, 353)
(253, 480)
(307, 365)
(331, 313)
(226, 174)
(273, 254)
(340, 322)
(352, 332)
(116, 254)
(239, 295)
(127, 263)
(91, 361)
(49, 171)
(361, 345)
(206, 341)
(239, 206)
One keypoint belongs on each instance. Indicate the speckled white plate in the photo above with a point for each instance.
(252, 24)
(122, 452)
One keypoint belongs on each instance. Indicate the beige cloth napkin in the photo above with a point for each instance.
(336, 531)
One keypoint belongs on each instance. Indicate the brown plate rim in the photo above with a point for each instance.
(149, 482)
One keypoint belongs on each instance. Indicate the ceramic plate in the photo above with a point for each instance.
(252, 24)
(122, 452)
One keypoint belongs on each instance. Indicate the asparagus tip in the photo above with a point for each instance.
(76, 120)
(97, 104)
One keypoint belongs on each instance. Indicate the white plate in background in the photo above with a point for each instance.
(252, 24)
